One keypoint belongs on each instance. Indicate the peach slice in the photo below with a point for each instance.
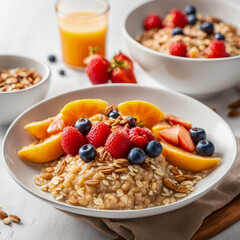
(39, 128)
(186, 160)
(44, 151)
(158, 127)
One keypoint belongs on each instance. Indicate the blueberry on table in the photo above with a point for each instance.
(87, 153)
(61, 72)
(52, 58)
(190, 10)
(219, 36)
(205, 148)
(177, 31)
(114, 114)
(136, 156)
(132, 122)
(197, 134)
(83, 125)
(154, 149)
(192, 19)
(207, 27)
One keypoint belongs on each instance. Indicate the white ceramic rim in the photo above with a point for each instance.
(128, 36)
(44, 78)
(110, 213)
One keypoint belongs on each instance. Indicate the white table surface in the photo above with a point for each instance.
(29, 28)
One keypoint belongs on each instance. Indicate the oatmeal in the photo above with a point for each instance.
(18, 79)
(196, 32)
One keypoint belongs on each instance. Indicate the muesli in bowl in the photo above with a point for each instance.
(190, 34)
(125, 156)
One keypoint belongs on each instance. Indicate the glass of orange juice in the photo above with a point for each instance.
(82, 25)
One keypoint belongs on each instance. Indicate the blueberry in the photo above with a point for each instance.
(61, 72)
(205, 148)
(87, 153)
(177, 31)
(114, 114)
(136, 156)
(207, 27)
(83, 125)
(132, 122)
(197, 134)
(153, 149)
(52, 58)
(190, 10)
(219, 36)
(192, 19)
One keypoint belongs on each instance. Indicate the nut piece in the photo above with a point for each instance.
(181, 178)
(121, 170)
(61, 167)
(105, 169)
(175, 170)
(122, 162)
(234, 113)
(235, 104)
(7, 221)
(170, 183)
(47, 176)
(146, 166)
(92, 182)
(15, 218)
(181, 189)
(110, 108)
(3, 215)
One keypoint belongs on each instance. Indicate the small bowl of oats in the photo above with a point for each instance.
(187, 46)
(24, 81)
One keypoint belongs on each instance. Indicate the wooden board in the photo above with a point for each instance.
(217, 221)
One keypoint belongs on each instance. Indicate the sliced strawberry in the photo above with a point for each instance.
(56, 125)
(176, 120)
(185, 140)
(170, 134)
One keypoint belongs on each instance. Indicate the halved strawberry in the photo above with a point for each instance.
(176, 120)
(56, 125)
(185, 140)
(170, 134)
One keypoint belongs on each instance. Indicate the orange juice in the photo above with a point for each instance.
(79, 31)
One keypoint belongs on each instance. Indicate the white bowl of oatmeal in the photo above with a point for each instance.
(23, 82)
(23, 172)
(198, 77)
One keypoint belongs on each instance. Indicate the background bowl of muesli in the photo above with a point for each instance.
(218, 131)
(198, 72)
(24, 81)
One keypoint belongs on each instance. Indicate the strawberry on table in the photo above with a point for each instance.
(97, 68)
(216, 49)
(122, 57)
(153, 20)
(178, 48)
(175, 18)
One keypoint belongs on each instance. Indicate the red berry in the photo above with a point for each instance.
(216, 49)
(123, 58)
(176, 120)
(178, 49)
(97, 69)
(176, 18)
(140, 137)
(72, 140)
(170, 134)
(152, 21)
(118, 144)
(98, 134)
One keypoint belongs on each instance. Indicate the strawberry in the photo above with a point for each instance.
(153, 20)
(122, 72)
(72, 140)
(178, 49)
(140, 137)
(56, 126)
(123, 58)
(216, 49)
(170, 134)
(97, 68)
(178, 136)
(185, 140)
(98, 134)
(176, 120)
(118, 144)
(175, 18)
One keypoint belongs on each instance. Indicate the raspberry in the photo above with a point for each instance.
(176, 18)
(216, 49)
(98, 134)
(152, 21)
(140, 137)
(118, 144)
(178, 49)
(72, 140)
